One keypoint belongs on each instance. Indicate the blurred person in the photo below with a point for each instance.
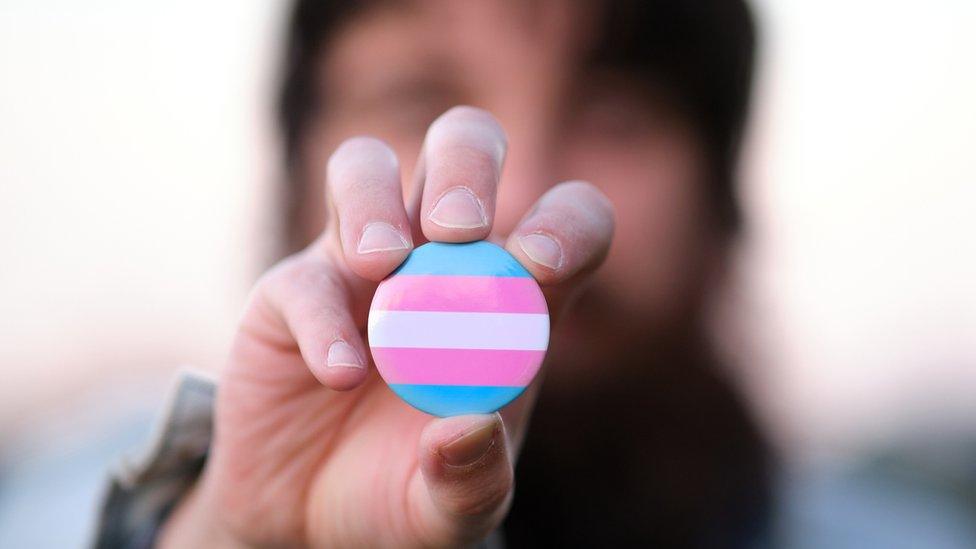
(596, 141)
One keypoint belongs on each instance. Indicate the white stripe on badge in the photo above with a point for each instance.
(449, 330)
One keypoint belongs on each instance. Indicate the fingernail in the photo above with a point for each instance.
(381, 237)
(342, 355)
(542, 249)
(471, 446)
(459, 208)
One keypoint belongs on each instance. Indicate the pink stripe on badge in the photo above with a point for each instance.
(425, 366)
(458, 328)
(458, 293)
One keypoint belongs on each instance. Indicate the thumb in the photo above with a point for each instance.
(464, 485)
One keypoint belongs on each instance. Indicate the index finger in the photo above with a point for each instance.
(368, 217)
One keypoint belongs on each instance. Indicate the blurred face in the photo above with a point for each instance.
(391, 70)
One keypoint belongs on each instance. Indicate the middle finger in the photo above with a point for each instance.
(458, 171)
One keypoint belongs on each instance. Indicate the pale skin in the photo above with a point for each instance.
(311, 447)
(311, 453)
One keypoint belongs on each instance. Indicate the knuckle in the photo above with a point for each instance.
(470, 114)
(371, 157)
(586, 205)
(362, 144)
(587, 193)
(303, 289)
(312, 274)
(475, 162)
(482, 498)
(579, 185)
(278, 272)
(298, 274)
(468, 127)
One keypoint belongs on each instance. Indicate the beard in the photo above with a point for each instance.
(638, 433)
(603, 341)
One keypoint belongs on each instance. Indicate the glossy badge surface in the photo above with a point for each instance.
(458, 328)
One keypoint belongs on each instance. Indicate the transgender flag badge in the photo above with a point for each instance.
(458, 328)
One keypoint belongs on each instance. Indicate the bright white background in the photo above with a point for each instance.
(135, 147)
(861, 268)
(137, 162)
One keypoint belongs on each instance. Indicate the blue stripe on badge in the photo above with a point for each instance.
(471, 258)
(456, 400)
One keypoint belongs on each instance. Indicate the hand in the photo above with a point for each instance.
(311, 447)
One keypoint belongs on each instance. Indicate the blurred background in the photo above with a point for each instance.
(137, 170)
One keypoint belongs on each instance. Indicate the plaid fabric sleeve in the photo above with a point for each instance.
(141, 493)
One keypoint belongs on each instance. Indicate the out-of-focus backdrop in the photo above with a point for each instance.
(137, 173)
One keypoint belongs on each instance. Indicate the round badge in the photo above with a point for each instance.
(458, 328)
